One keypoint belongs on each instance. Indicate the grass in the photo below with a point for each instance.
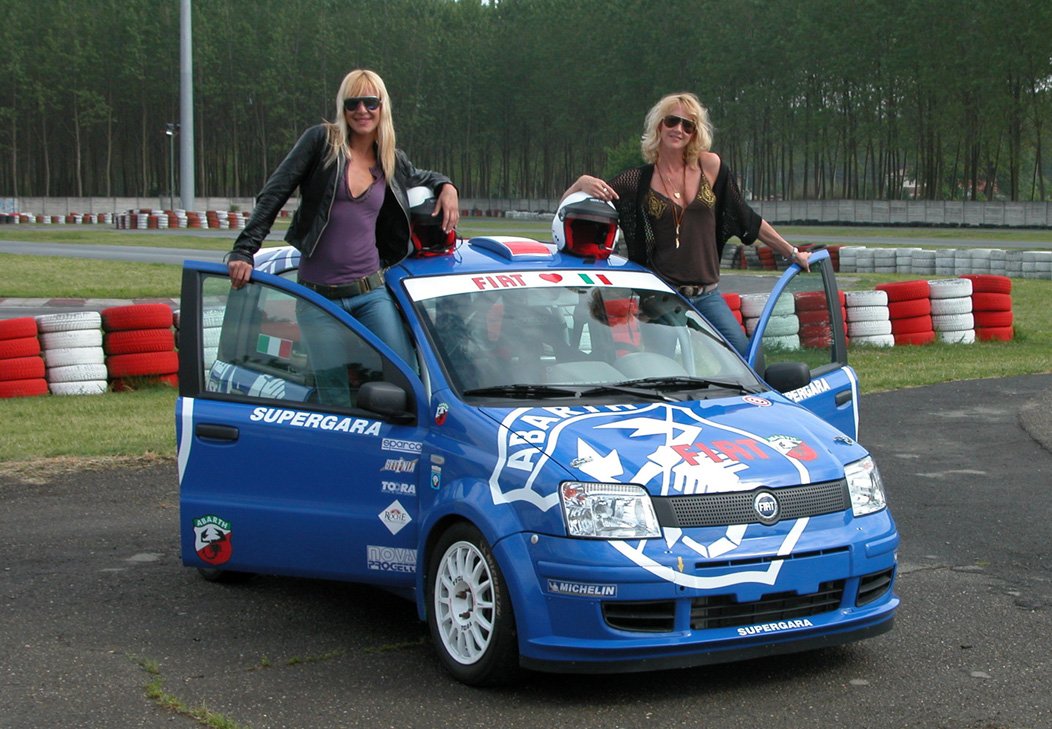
(141, 423)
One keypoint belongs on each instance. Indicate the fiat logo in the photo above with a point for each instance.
(766, 507)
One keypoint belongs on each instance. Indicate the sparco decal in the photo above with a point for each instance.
(397, 444)
(315, 421)
(669, 448)
(212, 539)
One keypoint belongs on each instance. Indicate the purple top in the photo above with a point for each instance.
(347, 248)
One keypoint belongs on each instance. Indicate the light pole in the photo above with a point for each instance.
(170, 129)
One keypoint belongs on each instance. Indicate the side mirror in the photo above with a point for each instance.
(386, 399)
(786, 376)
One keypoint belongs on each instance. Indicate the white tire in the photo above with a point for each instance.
(212, 317)
(964, 336)
(74, 356)
(92, 387)
(790, 343)
(949, 288)
(75, 338)
(752, 304)
(782, 326)
(953, 322)
(876, 340)
(69, 321)
(955, 305)
(870, 297)
(77, 373)
(868, 329)
(869, 313)
(211, 337)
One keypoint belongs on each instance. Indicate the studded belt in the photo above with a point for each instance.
(353, 288)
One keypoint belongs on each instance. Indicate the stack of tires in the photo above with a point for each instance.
(909, 308)
(951, 310)
(992, 307)
(140, 345)
(21, 368)
(868, 318)
(783, 328)
(72, 346)
(816, 331)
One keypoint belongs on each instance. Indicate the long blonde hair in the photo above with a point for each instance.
(700, 142)
(362, 82)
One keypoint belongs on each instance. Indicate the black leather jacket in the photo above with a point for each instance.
(304, 167)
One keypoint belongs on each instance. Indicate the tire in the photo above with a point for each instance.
(918, 338)
(782, 325)
(991, 302)
(69, 321)
(81, 387)
(989, 283)
(734, 300)
(993, 319)
(869, 328)
(143, 363)
(77, 373)
(909, 308)
(227, 577)
(954, 305)
(905, 290)
(994, 334)
(76, 338)
(74, 356)
(868, 313)
(876, 340)
(23, 388)
(137, 316)
(964, 336)
(948, 288)
(21, 368)
(912, 325)
(20, 347)
(953, 322)
(23, 326)
(866, 298)
(786, 343)
(469, 610)
(752, 304)
(132, 341)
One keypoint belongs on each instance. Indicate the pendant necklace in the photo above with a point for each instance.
(677, 211)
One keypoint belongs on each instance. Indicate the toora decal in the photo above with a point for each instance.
(674, 451)
(212, 539)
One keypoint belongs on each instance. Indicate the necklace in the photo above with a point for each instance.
(677, 211)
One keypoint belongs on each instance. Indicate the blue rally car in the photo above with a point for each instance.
(574, 473)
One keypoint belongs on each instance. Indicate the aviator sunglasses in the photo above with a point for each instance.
(372, 103)
(672, 121)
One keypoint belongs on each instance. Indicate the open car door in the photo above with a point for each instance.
(803, 321)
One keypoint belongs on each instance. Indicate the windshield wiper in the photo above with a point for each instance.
(521, 390)
(682, 382)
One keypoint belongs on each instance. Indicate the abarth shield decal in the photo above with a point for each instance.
(212, 539)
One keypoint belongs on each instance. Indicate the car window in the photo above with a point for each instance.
(560, 335)
(260, 341)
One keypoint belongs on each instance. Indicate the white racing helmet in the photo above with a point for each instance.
(585, 226)
(425, 229)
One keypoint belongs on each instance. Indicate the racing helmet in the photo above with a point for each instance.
(425, 229)
(585, 226)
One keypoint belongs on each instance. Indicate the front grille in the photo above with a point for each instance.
(872, 587)
(723, 611)
(794, 502)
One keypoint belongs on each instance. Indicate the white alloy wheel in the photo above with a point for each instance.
(469, 611)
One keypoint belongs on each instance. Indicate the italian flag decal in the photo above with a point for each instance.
(274, 346)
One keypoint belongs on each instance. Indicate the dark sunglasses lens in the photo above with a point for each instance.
(671, 121)
(372, 103)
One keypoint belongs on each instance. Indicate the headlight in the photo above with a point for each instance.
(865, 487)
(608, 511)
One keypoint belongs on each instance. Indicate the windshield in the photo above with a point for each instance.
(574, 332)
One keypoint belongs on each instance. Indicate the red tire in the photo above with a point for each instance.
(991, 302)
(142, 363)
(989, 283)
(20, 347)
(132, 341)
(905, 290)
(995, 334)
(136, 316)
(734, 300)
(23, 326)
(811, 301)
(993, 319)
(911, 325)
(909, 308)
(23, 388)
(813, 316)
(915, 338)
(21, 368)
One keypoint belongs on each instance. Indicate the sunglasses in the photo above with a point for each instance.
(371, 103)
(672, 121)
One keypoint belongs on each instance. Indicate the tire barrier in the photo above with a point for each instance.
(71, 344)
(951, 310)
(868, 318)
(992, 307)
(948, 262)
(148, 219)
(909, 308)
(139, 344)
(21, 366)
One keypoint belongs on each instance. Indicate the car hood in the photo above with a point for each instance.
(733, 444)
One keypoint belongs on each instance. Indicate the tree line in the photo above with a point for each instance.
(811, 99)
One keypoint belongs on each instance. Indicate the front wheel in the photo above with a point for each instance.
(469, 611)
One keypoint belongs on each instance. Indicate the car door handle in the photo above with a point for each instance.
(843, 397)
(212, 431)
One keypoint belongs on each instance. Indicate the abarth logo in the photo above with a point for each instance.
(212, 539)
